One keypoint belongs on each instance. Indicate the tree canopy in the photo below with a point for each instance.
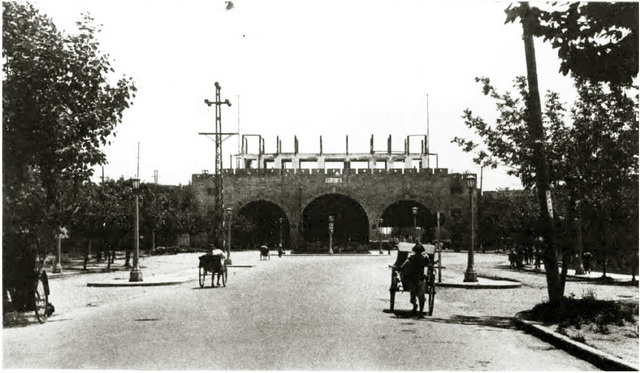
(597, 41)
(60, 105)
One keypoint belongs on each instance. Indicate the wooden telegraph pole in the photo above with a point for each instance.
(536, 132)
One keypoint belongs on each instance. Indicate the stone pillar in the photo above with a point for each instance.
(371, 163)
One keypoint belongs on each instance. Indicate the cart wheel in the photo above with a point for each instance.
(41, 301)
(432, 295)
(201, 275)
(392, 291)
(224, 277)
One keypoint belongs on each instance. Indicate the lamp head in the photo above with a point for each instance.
(471, 181)
(414, 209)
(136, 183)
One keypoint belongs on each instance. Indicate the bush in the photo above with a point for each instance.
(572, 311)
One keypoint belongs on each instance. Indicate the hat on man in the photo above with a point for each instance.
(418, 248)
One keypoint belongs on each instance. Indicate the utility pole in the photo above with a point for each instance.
(217, 177)
(536, 132)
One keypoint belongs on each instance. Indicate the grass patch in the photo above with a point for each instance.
(571, 311)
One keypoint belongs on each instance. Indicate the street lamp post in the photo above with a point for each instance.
(280, 226)
(229, 215)
(330, 234)
(380, 221)
(470, 275)
(136, 273)
(57, 267)
(414, 210)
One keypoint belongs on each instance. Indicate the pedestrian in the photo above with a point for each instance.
(280, 250)
(586, 261)
(512, 259)
(537, 256)
(412, 271)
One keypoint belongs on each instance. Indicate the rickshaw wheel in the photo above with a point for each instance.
(224, 277)
(392, 291)
(41, 301)
(432, 296)
(201, 274)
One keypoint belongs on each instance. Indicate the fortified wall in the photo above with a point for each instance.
(282, 180)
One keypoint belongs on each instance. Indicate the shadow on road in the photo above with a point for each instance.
(490, 321)
(501, 322)
(208, 287)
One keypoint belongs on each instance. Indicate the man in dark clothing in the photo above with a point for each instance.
(586, 262)
(413, 277)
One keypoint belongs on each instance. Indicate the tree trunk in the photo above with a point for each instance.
(536, 132)
(87, 253)
(579, 246)
(607, 244)
(127, 258)
(153, 240)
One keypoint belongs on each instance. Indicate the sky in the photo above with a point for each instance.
(301, 68)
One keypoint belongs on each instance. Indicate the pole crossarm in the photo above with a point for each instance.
(209, 103)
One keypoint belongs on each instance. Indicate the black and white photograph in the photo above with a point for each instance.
(306, 185)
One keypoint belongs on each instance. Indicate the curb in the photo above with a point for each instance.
(125, 283)
(477, 285)
(596, 357)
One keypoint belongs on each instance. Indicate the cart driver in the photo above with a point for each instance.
(219, 253)
(413, 277)
(216, 251)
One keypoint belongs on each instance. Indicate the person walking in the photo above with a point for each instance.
(413, 278)
(280, 250)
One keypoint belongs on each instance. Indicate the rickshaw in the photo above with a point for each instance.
(26, 285)
(264, 253)
(212, 265)
(404, 249)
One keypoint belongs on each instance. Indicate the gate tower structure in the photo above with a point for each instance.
(297, 193)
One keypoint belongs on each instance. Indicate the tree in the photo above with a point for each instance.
(59, 107)
(592, 152)
(508, 216)
(596, 41)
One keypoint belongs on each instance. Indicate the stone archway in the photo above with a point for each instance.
(399, 216)
(350, 220)
(261, 222)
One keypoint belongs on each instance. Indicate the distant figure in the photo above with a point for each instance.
(538, 256)
(586, 261)
(280, 250)
(264, 252)
(512, 259)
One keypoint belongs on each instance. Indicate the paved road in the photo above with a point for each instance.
(290, 313)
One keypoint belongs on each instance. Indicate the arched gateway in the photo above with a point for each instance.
(295, 202)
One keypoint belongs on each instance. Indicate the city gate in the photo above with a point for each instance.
(293, 196)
